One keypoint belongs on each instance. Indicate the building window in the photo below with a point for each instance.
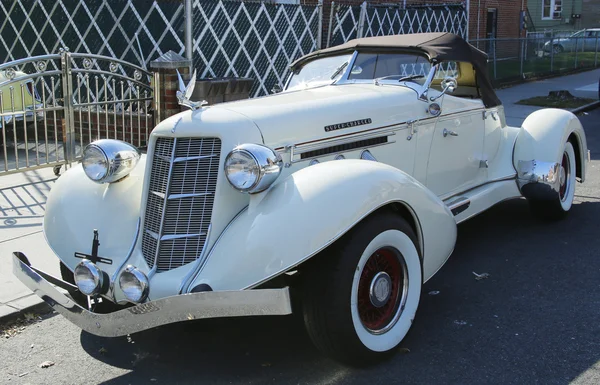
(551, 9)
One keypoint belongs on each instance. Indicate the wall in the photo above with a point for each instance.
(563, 24)
(590, 14)
(508, 14)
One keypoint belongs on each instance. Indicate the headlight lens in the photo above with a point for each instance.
(88, 278)
(108, 160)
(95, 163)
(134, 284)
(252, 168)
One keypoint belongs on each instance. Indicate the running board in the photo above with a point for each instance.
(475, 201)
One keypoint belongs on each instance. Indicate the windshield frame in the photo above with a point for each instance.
(344, 79)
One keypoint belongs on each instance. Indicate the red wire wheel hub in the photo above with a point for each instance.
(382, 290)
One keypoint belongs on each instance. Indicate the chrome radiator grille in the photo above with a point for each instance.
(181, 194)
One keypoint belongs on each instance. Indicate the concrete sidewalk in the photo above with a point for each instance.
(584, 84)
(23, 198)
(22, 204)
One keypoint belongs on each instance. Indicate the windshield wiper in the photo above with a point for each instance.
(411, 77)
(338, 70)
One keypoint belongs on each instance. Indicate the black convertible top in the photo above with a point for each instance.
(437, 46)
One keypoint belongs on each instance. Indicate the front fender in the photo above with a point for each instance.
(543, 135)
(309, 210)
(76, 206)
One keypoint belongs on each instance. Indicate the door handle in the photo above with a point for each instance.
(449, 132)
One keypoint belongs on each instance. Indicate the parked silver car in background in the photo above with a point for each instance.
(583, 41)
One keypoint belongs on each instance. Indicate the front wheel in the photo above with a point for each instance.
(361, 299)
(559, 207)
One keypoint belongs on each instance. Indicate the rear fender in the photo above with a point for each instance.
(310, 209)
(543, 135)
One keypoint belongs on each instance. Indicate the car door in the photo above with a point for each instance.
(456, 156)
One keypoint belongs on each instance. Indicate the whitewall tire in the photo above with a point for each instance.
(362, 295)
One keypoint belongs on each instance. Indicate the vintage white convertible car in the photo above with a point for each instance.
(337, 197)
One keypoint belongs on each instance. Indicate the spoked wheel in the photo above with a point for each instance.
(382, 290)
(559, 207)
(361, 297)
(558, 48)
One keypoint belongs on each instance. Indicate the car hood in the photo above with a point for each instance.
(300, 116)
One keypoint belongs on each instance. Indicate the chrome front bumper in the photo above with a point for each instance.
(185, 307)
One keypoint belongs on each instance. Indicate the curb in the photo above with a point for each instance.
(586, 107)
(40, 308)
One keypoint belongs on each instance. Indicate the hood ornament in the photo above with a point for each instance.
(185, 93)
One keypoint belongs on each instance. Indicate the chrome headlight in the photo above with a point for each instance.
(252, 168)
(108, 160)
(134, 284)
(89, 278)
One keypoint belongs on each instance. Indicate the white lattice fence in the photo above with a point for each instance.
(252, 40)
(349, 22)
(390, 21)
(104, 27)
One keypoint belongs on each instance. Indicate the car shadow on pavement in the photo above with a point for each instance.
(531, 319)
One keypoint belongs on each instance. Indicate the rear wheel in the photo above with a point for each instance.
(559, 207)
(361, 300)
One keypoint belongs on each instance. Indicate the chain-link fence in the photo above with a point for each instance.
(511, 60)
(349, 22)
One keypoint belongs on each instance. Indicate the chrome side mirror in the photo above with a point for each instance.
(449, 85)
(185, 93)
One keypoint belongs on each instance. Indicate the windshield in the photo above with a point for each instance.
(396, 65)
(319, 72)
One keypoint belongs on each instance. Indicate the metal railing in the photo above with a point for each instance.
(510, 60)
(51, 106)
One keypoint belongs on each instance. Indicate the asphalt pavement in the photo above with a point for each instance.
(534, 320)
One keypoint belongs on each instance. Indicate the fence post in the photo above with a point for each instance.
(361, 20)
(551, 53)
(188, 31)
(67, 91)
(331, 12)
(320, 32)
(596, 54)
(522, 55)
(166, 83)
(576, 50)
(495, 61)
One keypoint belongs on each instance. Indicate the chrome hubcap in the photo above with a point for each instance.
(380, 289)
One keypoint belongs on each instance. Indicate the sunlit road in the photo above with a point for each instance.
(535, 320)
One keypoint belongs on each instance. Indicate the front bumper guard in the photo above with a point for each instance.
(184, 307)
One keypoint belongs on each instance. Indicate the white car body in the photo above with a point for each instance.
(437, 171)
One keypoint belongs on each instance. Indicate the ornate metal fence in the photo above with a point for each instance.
(252, 39)
(349, 22)
(53, 105)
